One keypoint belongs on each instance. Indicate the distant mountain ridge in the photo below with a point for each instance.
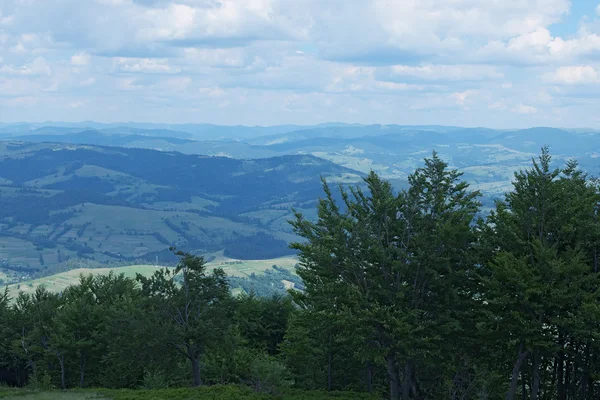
(488, 157)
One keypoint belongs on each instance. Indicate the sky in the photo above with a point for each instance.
(493, 63)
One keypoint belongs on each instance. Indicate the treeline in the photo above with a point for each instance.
(115, 332)
(455, 306)
(408, 295)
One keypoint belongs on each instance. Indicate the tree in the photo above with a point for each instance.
(398, 265)
(78, 322)
(192, 316)
(543, 275)
(263, 321)
(42, 337)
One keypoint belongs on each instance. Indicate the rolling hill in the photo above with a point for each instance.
(66, 194)
(113, 204)
(488, 157)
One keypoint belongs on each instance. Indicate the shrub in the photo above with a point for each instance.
(267, 374)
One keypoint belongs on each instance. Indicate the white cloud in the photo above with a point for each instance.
(177, 84)
(129, 84)
(18, 48)
(393, 32)
(77, 104)
(378, 61)
(174, 22)
(574, 75)
(80, 59)
(145, 65)
(225, 20)
(498, 105)
(461, 97)
(214, 91)
(541, 48)
(24, 101)
(363, 79)
(440, 73)
(112, 2)
(88, 82)
(29, 43)
(227, 58)
(38, 66)
(525, 109)
(5, 20)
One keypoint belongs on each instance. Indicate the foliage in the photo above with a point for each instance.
(406, 295)
(268, 284)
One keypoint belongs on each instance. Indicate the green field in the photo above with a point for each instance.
(49, 395)
(241, 268)
(203, 393)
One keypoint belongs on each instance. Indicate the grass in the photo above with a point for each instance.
(204, 393)
(19, 251)
(24, 395)
(242, 268)
(109, 226)
(59, 282)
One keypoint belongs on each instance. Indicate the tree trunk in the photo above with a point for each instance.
(61, 361)
(514, 380)
(585, 373)
(535, 387)
(560, 377)
(590, 379)
(567, 377)
(596, 259)
(197, 380)
(553, 379)
(329, 370)
(393, 376)
(407, 384)
(81, 369)
(369, 377)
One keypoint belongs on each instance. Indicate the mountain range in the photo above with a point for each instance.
(118, 192)
(61, 201)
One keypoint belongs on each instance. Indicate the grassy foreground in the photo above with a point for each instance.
(204, 393)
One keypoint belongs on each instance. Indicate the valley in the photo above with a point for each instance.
(122, 206)
(115, 195)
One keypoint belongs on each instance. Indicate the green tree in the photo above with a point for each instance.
(193, 316)
(42, 337)
(542, 276)
(398, 265)
(262, 321)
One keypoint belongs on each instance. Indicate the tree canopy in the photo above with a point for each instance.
(411, 294)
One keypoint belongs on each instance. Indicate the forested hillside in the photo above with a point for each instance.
(117, 205)
(407, 295)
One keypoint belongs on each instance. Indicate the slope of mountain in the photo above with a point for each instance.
(59, 201)
(488, 157)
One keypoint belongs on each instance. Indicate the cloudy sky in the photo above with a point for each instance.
(496, 63)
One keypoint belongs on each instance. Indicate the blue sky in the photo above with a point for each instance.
(495, 63)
